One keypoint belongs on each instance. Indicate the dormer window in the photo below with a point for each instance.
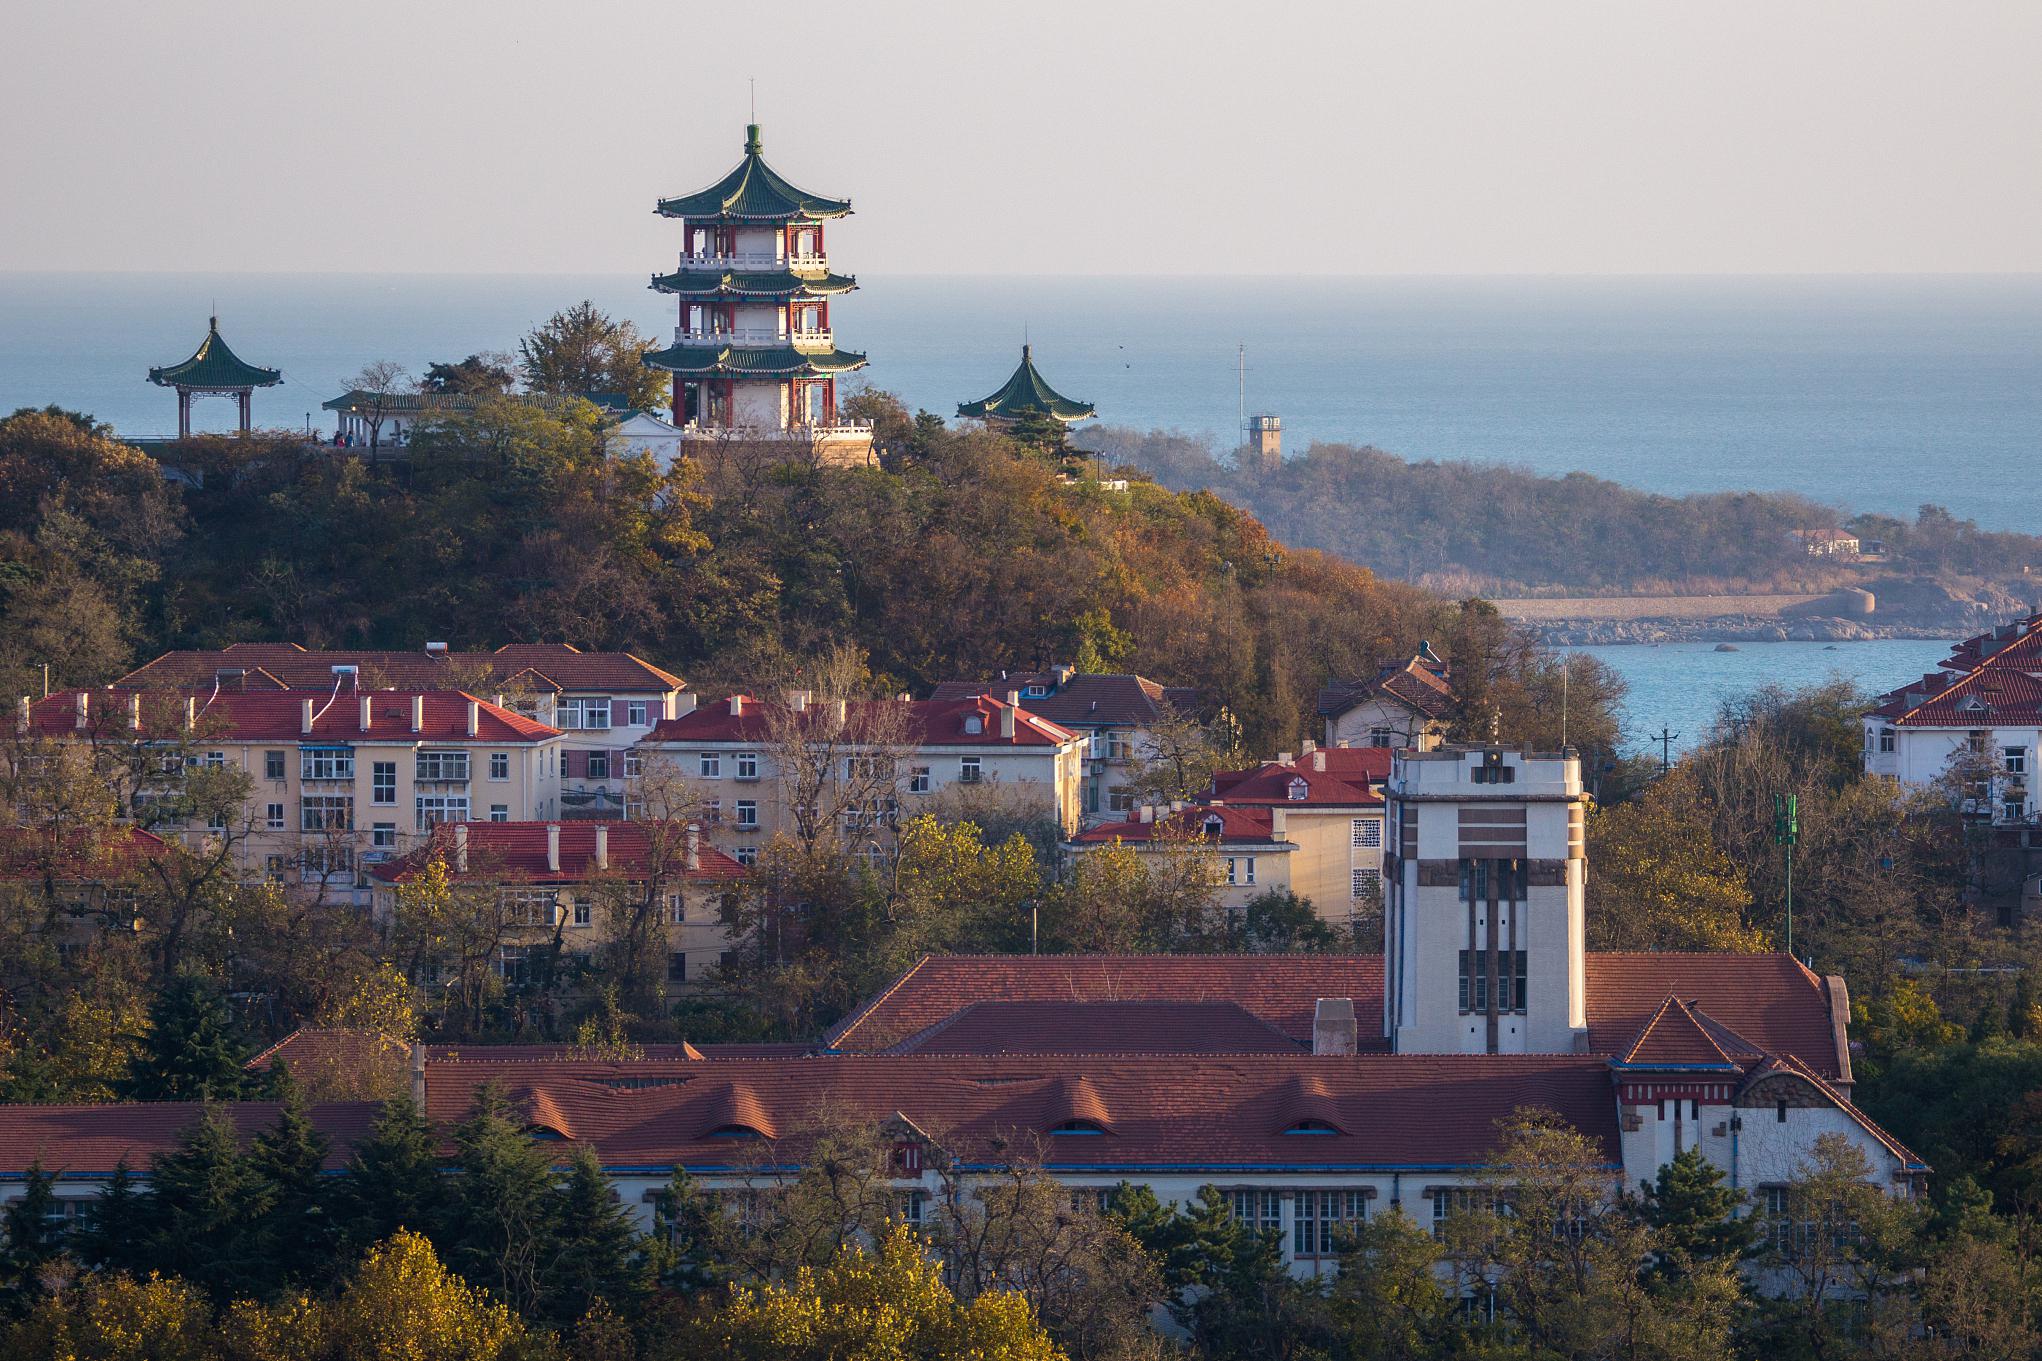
(1298, 791)
(1311, 1127)
(1037, 692)
(1076, 1127)
(1214, 825)
(734, 1132)
(974, 724)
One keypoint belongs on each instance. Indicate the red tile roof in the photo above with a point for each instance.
(278, 716)
(1237, 827)
(334, 1048)
(90, 1140)
(1084, 699)
(1770, 1000)
(928, 722)
(516, 852)
(1100, 1028)
(74, 856)
(1198, 1111)
(284, 666)
(1674, 1038)
(1414, 684)
(1301, 784)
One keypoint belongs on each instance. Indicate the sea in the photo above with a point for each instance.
(1869, 393)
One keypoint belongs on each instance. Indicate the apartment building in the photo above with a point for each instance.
(571, 881)
(337, 781)
(1407, 705)
(748, 768)
(602, 702)
(1246, 851)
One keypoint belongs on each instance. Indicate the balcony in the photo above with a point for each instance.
(800, 434)
(755, 262)
(762, 337)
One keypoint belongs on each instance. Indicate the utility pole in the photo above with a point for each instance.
(1667, 738)
(1787, 831)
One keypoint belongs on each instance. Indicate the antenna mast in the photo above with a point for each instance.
(1243, 360)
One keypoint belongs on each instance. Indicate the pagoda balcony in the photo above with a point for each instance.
(840, 430)
(764, 337)
(757, 262)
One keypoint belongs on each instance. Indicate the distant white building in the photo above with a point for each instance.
(1982, 709)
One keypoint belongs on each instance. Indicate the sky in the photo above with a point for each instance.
(1044, 137)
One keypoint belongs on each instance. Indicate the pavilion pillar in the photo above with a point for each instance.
(184, 413)
(245, 394)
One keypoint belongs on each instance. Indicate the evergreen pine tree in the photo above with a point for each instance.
(297, 1237)
(1694, 1215)
(499, 1231)
(206, 1202)
(394, 1180)
(32, 1236)
(689, 1257)
(117, 1224)
(192, 1052)
(598, 1253)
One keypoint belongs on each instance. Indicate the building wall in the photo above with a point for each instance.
(1323, 867)
(1355, 727)
(1921, 756)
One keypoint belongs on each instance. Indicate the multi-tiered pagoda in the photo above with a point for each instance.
(753, 358)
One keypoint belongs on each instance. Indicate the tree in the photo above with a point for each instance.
(204, 1204)
(376, 390)
(1176, 758)
(114, 1317)
(869, 1307)
(394, 1179)
(1388, 1302)
(582, 351)
(1695, 1216)
(1660, 882)
(476, 376)
(1278, 921)
(402, 1305)
(501, 1229)
(598, 1254)
(33, 1238)
(192, 1051)
(298, 1236)
(114, 1236)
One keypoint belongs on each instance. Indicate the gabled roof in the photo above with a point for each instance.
(213, 365)
(1775, 1065)
(515, 852)
(753, 361)
(1115, 1027)
(1675, 1038)
(1300, 784)
(1994, 679)
(1081, 699)
(1213, 824)
(782, 283)
(753, 192)
(281, 666)
(278, 716)
(82, 1141)
(1768, 999)
(76, 856)
(1025, 394)
(1419, 684)
(924, 722)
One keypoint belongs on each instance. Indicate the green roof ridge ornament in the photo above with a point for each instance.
(752, 145)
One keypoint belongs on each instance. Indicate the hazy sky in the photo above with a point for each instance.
(1426, 136)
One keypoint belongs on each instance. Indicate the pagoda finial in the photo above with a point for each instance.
(751, 139)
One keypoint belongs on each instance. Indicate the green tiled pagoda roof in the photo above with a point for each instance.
(776, 283)
(753, 192)
(213, 365)
(1026, 394)
(730, 361)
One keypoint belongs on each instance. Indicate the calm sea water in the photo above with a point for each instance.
(1877, 393)
(1679, 686)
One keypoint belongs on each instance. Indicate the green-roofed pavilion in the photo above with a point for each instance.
(1027, 394)
(213, 367)
(754, 192)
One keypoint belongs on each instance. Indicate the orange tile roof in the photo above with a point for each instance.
(928, 722)
(81, 1141)
(1221, 824)
(1674, 1038)
(516, 852)
(1116, 1027)
(279, 716)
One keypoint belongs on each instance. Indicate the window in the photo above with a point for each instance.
(913, 1207)
(974, 724)
(599, 765)
(1241, 870)
(499, 765)
(272, 765)
(1477, 877)
(1453, 1202)
(2013, 808)
(326, 813)
(1493, 775)
(383, 783)
(868, 768)
(584, 912)
(1320, 1217)
(1510, 994)
(970, 770)
(918, 779)
(1120, 799)
(677, 969)
(1119, 745)
(444, 767)
(634, 765)
(1382, 737)
(1367, 886)
(1257, 1209)
(383, 835)
(709, 765)
(216, 822)
(322, 860)
(433, 809)
(527, 906)
(326, 763)
(499, 812)
(1076, 1127)
(273, 866)
(1368, 834)
(747, 765)
(635, 713)
(514, 963)
(1886, 739)
(747, 813)
(1297, 791)
(2015, 759)
(1781, 1110)
(273, 817)
(746, 855)
(584, 712)
(212, 760)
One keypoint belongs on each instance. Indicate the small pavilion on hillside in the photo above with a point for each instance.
(1027, 397)
(213, 367)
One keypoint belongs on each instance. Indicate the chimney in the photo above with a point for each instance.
(84, 719)
(1342, 744)
(460, 848)
(737, 706)
(1007, 714)
(418, 713)
(135, 712)
(366, 713)
(797, 700)
(435, 649)
(553, 848)
(418, 1075)
(1318, 760)
(1148, 813)
(693, 859)
(1333, 1027)
(683, 706)
(191, 712)
(21, 717)
(602, 845)
(1283, 758)
(1279, 824)
(474, 716)
(1308, 746)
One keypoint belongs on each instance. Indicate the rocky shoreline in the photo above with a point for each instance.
(1733, 629)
